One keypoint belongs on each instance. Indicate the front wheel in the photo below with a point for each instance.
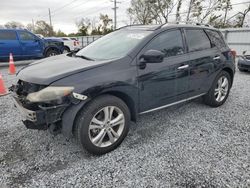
(219, 91)
(102, 125)
(51, 52)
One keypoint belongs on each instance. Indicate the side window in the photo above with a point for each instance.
(26, 36)
(197, 40)
(216, 39)
(169, 42)
(8, 35)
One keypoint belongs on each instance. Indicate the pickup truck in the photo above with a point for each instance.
(25, 45)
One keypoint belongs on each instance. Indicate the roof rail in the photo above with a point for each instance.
(129, 26)
(191, 23)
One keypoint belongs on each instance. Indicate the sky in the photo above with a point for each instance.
(65, 13)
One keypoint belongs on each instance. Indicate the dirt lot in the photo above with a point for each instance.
(190, 145)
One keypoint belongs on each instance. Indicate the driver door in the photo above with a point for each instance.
(31, 45)
(166, 82)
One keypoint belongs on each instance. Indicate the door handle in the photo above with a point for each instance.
(216, 57)
(183, 67)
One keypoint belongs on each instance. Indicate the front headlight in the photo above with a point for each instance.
(49, 94)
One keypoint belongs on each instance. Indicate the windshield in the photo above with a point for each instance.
(114, 45)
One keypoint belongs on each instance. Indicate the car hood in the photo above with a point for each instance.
(49, 70)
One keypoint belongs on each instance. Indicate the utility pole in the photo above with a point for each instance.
(115, 16)
(33, 25)
(225, 16)
(50, 22)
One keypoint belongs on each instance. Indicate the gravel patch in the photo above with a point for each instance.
(189, 145)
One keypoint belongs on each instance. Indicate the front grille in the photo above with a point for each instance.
(24, 88)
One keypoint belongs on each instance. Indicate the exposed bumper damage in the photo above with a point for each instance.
(40, 116)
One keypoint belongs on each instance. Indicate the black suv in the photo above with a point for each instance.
(95, 93)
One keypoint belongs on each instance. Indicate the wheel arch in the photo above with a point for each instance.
(230, 72)
(69, 116)
(67, 47)
(127, 100)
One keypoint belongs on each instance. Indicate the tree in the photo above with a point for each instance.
(161, 9)
(41, 27)
(83, 26)
(30, 27)
(177, 16)
(14, 25)
(140, 11)
(59, 33)
(240, 19)
(105, 22)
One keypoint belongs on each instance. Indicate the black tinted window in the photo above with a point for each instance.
(216, 38)
(26, 36)
(169, 42)
(197, 40)
(7, 35)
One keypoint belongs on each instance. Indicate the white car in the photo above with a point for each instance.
(70, 44)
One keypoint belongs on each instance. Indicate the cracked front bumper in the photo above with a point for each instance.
(42, 117)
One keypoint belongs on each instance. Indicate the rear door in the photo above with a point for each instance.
(31, 44)
(203, 60)
(9, 44)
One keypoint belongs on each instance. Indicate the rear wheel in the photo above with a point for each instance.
(52, 52)
(219, 91)
(102, 125)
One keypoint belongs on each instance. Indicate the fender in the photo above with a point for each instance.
(70, 113)
(68, 118)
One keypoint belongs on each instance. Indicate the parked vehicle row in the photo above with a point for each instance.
(24, 44)
(95, 93)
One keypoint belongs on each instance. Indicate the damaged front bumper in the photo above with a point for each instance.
(41, 117)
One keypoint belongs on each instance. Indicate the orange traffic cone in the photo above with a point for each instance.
(12, 68)
(3, 90)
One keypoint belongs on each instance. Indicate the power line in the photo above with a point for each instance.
(62, 7)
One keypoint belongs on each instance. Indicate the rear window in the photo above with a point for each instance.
(197, 40)
(216, 39)
(8, 35)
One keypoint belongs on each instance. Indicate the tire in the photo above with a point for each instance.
(86, 137)
(51, 52)
(66, 49)
(212, 98)
(242, 70)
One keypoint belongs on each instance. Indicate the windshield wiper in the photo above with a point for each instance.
(84, 57)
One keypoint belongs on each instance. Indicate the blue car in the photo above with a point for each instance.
(25, 45)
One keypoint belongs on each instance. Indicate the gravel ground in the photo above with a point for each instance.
(190, 145)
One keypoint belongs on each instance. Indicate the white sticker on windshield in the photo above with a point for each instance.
(136, 35)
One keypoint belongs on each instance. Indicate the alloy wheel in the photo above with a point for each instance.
(106, 126)
(221, 89)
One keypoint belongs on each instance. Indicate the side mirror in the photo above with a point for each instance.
(153, 56)
(244, 52)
